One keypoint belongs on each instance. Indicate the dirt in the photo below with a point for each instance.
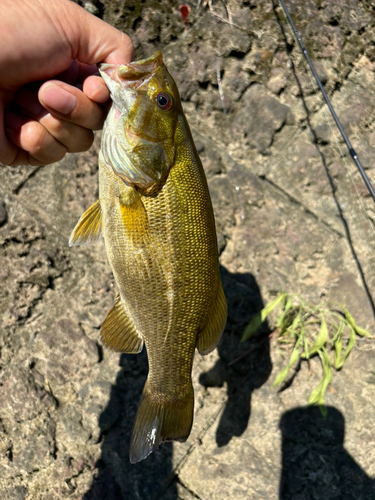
(292, 214)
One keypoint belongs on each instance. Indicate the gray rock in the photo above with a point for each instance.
(37, 448)
(282, 196)
(69, 354)
(261, 116)
(16, 493)
(23, 397)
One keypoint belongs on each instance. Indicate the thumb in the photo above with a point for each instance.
(94, 41)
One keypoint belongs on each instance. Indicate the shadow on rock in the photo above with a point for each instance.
(117, 478)
(243, 366)
(315, 464)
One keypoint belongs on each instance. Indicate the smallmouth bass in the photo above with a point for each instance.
(155, 213)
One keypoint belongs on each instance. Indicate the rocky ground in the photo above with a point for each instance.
(290, 211)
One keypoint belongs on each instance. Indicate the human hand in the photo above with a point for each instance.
(42, 119)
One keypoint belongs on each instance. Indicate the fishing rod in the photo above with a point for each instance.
(352, 153)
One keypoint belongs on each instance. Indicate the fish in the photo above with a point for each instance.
(155, 214)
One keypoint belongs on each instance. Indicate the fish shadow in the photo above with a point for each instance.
(117, 478)
(245, 366)
(154, 478)
(315, 464)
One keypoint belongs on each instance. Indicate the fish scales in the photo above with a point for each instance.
(160, 239)
(162, 292)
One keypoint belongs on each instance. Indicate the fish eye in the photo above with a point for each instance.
(164, 101)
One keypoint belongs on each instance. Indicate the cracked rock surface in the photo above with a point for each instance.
(290, 215)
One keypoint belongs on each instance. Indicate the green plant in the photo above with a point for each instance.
(328, 331)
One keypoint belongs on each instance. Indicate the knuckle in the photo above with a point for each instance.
(55, 126)
(75, 137)
(72, 136)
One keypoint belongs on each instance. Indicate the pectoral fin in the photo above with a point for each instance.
(89, 227)
(118, 332)
(134, 217)
(209, 337)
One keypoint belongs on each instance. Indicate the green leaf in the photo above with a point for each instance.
(321, 339)
(285, 306)
(258, 319)
(340, 329)
(361, 331)
(252, 327)
(349, 318)
(337, 342)
(292, 328)
(305, 343)
(281, 376)
(350, 344)
(338, 350)
(281, 322)
(317, 395)
(271, 305)
(323, 410)
(349, 347)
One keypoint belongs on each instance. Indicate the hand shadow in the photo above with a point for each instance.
(251, 371)
(315, 465)
(117, 478)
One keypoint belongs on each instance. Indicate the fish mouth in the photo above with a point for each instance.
(141, 69)
(131, 75)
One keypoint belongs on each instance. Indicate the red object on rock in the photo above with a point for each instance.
(184, 11)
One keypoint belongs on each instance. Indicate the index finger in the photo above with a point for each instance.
(77, 73)
(93, 41)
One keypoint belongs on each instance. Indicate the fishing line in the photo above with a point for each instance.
(352, 152)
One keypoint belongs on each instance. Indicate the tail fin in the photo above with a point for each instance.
(158, 421)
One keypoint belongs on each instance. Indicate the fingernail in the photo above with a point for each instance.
(58, 99)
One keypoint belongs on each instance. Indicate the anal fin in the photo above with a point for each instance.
(89, 227)
(209, 337)
(118, 332)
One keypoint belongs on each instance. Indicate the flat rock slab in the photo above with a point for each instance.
(291, 214)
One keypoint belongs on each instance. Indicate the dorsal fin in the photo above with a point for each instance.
(89, 227)
(118, 332)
